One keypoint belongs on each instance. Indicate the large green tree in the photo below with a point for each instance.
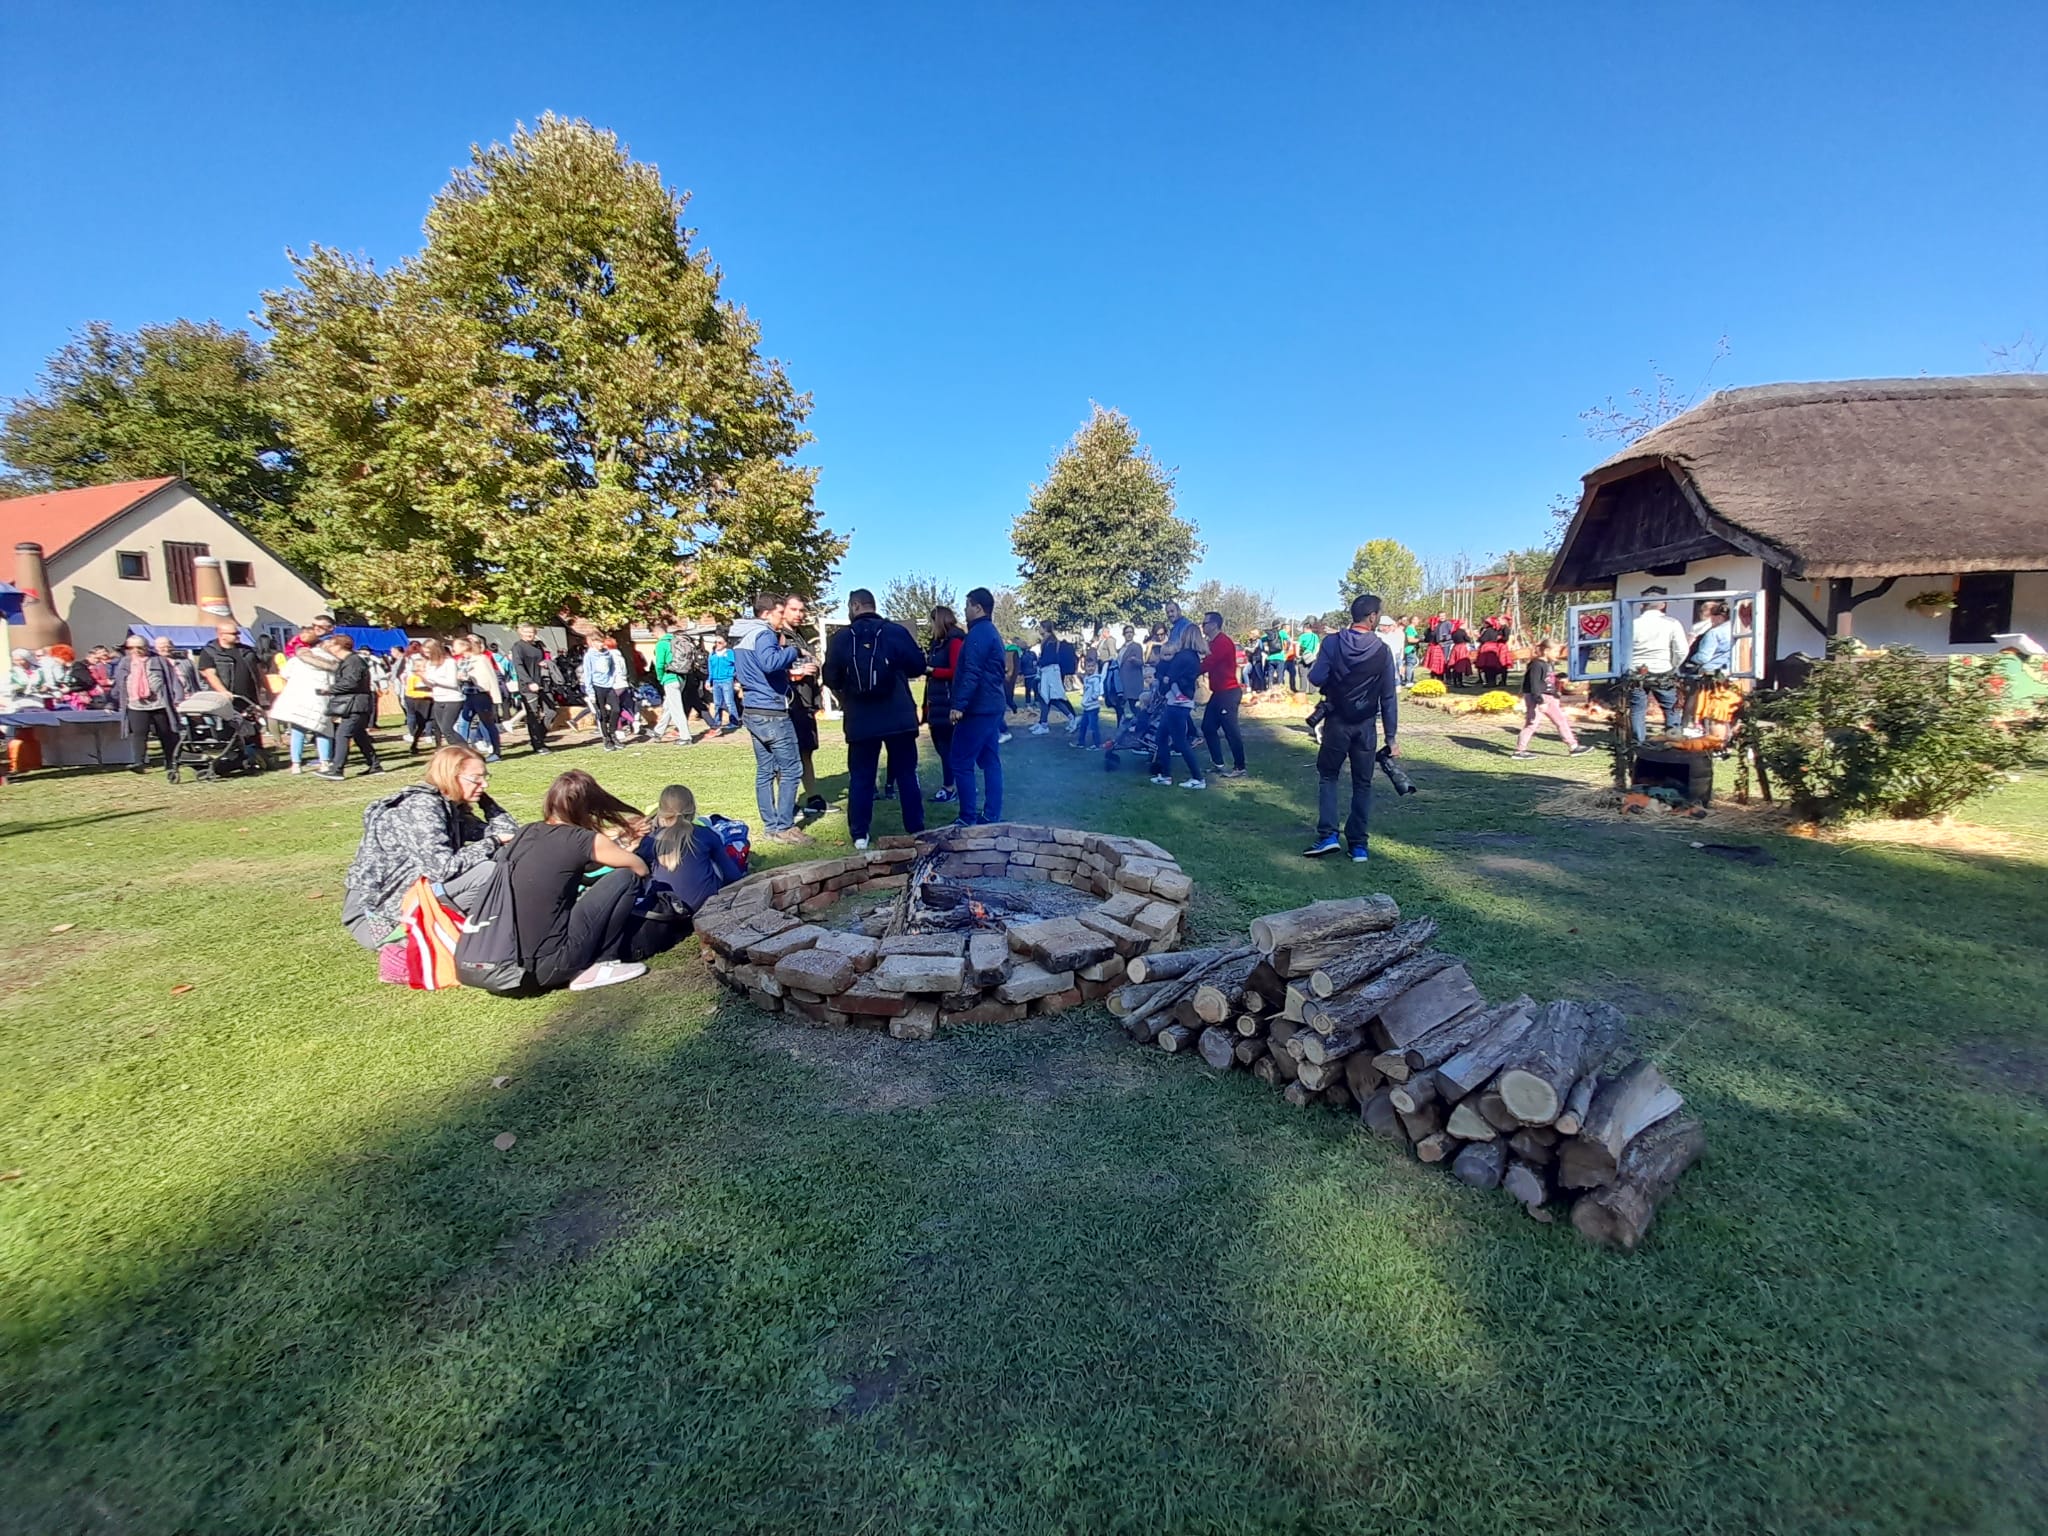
(1244, 611)
(909, 600)
(1100, 536)
(178, 399)
(1388, 568)
(551, 408)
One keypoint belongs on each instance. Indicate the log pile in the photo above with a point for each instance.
(1342, 1003)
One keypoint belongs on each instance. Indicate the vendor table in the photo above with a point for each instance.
(71, 738)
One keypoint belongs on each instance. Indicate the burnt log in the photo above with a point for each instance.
(1621, 1213)
(1565, 1040)
(1324, 920)
(1366, 958)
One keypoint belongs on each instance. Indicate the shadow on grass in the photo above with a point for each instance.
(735, 1275)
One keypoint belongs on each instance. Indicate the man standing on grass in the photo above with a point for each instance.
(229, 666)
(869, 665)
(762, 654)
(529, 684)
(668, 677)
(1219, 715)
(978, 696)
(1361, 683)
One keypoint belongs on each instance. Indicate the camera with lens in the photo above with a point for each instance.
(1403, 785)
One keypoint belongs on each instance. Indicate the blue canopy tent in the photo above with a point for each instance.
(10, 603)
(380, 641)
(186, 637)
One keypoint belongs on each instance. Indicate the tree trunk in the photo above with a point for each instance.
(1218, 1047)
(1426, 1121)
(1624, 1107)
(1526, 1183)
(1566, 1038)
(1248, 1051)
(1171, 965)
(1573, 1115)
(1175, 1038)
(1379, 1116)
(1416, 1092)
(1472, 1066)
(1620, 1215)
(1366, 958)
(1437, 1148)
(1467, 1124)
(1321, 1048)
(1324, 920)
(1444, 997)
(1358, 1008)
(1480, 1164)
(1216, 995)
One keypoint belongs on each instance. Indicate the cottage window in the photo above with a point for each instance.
(241, 573)
(1983, 608)
(178, 560)
(131, 564)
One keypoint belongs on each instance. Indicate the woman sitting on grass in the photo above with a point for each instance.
(444, 828)
(687, 865)
(573, 934)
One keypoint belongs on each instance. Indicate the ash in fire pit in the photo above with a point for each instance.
(933, 903)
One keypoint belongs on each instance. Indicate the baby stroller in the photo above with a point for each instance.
(219, 734)
(1137, 733)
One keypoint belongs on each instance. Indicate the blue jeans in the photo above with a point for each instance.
(1091, 725)
(974, 746)
(1639, 710)
(299, 746)
(778, 767)
(725, 714)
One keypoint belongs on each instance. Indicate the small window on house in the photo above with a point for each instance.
(241, 573)
(1983, 608)
(132, 564)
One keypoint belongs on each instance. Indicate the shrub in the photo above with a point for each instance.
(1882, 733)
(1429, 688)
(1494, 702)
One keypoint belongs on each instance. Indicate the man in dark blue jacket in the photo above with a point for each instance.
(869, 665)
(1360, 678)
(978, 700)
(762, 654)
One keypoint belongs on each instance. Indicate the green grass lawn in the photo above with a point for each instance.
(264, 1271)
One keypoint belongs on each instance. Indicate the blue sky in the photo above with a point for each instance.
(1353, 270)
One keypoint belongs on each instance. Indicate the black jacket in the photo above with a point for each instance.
(1183, 669)
(1360, 665)
(351, 697)
(891, 712)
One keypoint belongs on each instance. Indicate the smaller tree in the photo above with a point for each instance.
(1388, 568)
(1243, 609)
(910, 600)
(1009, 616)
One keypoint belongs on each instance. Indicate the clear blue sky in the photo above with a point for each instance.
(1354, 270)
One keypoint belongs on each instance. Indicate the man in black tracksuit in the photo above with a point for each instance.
(529, 682)
(1360, 678)
(869, 665)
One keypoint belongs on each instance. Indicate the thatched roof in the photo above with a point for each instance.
(1866, 477)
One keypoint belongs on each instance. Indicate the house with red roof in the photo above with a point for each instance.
(119, 557)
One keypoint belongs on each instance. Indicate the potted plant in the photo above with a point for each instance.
(1932, 605)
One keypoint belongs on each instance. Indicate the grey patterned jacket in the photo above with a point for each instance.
(413, 833)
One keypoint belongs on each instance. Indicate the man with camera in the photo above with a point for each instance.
(1359, 677)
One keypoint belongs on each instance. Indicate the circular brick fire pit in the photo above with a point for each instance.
(956, 932)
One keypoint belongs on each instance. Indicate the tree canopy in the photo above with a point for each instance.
(909, 600)
(178, 399)
(549, 409)
(1389, 569)
(1100, 537)
(1243, 610)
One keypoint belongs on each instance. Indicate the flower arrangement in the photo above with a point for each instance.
(1495, 701)
(1931, 604)
(1429, 688)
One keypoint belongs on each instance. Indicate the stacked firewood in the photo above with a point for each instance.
(1342, 1003)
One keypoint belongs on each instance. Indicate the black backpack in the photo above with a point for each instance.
(487, 953)
(1355, 695)
(873, 673)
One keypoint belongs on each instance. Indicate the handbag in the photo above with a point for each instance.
(432, 929)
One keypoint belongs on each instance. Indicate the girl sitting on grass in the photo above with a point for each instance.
(687, 865)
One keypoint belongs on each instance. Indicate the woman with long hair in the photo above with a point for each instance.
(572, 935)
(941, 656)
(446, 829)
(444, 685)
(1175, 682)
(482, 690)
(687, 865)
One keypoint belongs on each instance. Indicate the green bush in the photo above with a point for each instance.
(1883, 733)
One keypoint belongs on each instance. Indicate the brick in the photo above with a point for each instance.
(1136, 874)
(1128, 940)
(823, 971)
(1095, 991)
(987, 1011)
(889, 882)
(771, 948)
(1029, 980)
(1173, 884)
(1123, 906)
(918, 1023)
(824, 901)
(893, 842)
(823, 1013)
(1055, 1002)
(920, 973)
(1069, 837)
(1023, 860)
(1061, 943)
(864, 997)
(1158, 918)
(925, 944)
(1110, 970)
(988, 958)
(857, 947)
(764, 1001)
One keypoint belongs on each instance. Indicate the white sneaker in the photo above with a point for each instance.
(1002, 738)
(609, 973)
(860, 842)
(1041, 730)
(1160, 778)
(1693, 732)
(1194, 783)
(298, 768)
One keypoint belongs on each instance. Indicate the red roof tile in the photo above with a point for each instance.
(58, 518)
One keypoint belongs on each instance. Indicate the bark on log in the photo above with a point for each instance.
(1564, 1041)
(1172, 992)
(1319, 1075)
(1321, 1048)
(1267, 1071)
(1480, 1164)
(1495, 1109)
(1248, 1051)
(1268, 986)
(1437, 1148)
(1252, 1003)
(1171, 965)
(1284, 1064)
(1526, 1183)
(1426, 1121)
(1324, 920)
(1452, 1036)
(1416, 1092)
(1216, 996)
(1358, 1008)
(1391, 1065)
(1366, 958)
(1443, 997)
(1175, 1038)
(1298, 1095)
(1623, 1109)
(1360, 1077)
(1218, 1047)
(1378, 1115)
(1534, 1144)
(1135, 999)
(1621, 1214)
(1573, 1115)
(1472, 1066)
(1467, 1124)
